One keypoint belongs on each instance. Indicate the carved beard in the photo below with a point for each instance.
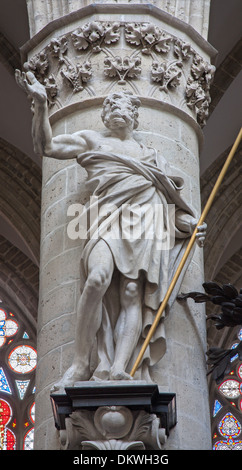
(118, 118)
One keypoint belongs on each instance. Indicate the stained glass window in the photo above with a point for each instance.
(7, 437)
(230, 388)
(17, 382)
(22, 386)
(4, 385)
(22, 359)
(32, 413)
(8, 327)
(29, 440)
(217, 407)
(229, 426)
(227, 408)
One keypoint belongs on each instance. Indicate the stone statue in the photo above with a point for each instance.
(123, 279)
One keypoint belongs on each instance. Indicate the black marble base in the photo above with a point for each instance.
(135, 395)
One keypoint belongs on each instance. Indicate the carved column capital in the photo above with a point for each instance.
(112, 428)
(141, 57)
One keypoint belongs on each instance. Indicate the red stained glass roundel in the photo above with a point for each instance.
(5, 412)
(9, 440)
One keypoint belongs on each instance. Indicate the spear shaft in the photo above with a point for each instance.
(186, 253)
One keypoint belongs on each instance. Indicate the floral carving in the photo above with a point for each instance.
(94, 34)
(51, 89)
(167, 74)
(182, 50)
(77, 75)
(148, 36)
(38, 64)
(202, 70)
(198, 86)
(128, 67)
(58, 47)
(56, 65)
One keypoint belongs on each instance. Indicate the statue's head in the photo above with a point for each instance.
(121, 110)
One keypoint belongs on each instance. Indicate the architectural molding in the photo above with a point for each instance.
(192, 16)
(9, 56)
(20, 195)
(231, 272)
(19, 283)
(226, 212)
(225, 74)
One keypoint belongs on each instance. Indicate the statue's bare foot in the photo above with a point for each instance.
(119, 374)
(72, 375)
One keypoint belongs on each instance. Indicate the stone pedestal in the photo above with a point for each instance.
(80, 58)
(113, 416)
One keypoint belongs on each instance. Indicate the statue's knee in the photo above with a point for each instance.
(98, 280)
(131, 291)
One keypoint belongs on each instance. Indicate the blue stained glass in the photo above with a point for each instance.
(2, 325)
(4, 385)
(22, 386)
(234, 358)
(229, 426)
(216, 407)
(236, 355)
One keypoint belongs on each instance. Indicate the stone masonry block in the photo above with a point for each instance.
(48, 369)
(54, 190)
(56, 333)
(59, 301)
(64, 268)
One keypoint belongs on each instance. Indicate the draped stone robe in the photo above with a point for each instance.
(131, 196)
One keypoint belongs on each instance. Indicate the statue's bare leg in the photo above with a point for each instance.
(89, 313)
(128, 328)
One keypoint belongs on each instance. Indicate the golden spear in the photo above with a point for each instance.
(186, 254)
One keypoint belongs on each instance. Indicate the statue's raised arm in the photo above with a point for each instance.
(60, 147)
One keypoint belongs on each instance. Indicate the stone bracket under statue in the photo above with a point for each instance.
(113, 415)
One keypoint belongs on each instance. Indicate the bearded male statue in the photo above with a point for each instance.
(123, 279)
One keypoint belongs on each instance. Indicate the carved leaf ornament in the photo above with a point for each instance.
(94, 34)
(148, 36)
(67, 62)
(122, 68)
(168, 75)
(112, 428)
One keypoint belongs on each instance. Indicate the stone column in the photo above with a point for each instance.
(80, 57)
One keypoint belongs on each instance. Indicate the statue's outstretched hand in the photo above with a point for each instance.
(29, 83)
